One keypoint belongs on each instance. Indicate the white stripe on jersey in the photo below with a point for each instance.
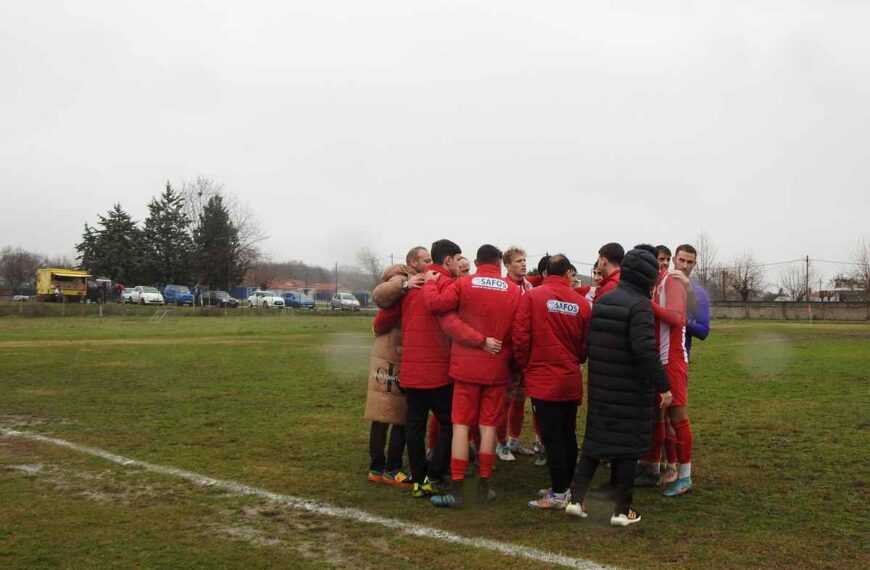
(665, 329)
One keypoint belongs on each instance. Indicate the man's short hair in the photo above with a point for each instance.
(509, 254)
(558, 265)
(687, 248)
(443, 248)
(613, 252)
(412, 254)
(542, 264)
(488, 254)
(572, 268)
(647, 247)
(663, 249)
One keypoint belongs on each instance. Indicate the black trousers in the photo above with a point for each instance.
(622, 471)
(378, 439)
(558, 423)
(420, 402)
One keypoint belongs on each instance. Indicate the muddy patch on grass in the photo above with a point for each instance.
(101, 486)
(259, 523)
(19, 421)
(270, 525)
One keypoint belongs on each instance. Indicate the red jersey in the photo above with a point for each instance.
(549, 339)
(425, 340)
(486, 302)
(608, 284)
(669, 306)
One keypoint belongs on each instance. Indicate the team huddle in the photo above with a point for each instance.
(470, 349)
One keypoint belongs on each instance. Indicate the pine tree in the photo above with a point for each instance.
(114, 248)
(219, 260)
(168, 246)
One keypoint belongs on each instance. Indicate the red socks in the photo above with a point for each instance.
(684, 440)
(486, 460)
(457, 469)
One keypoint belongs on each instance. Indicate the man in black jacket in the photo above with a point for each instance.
(624, 371)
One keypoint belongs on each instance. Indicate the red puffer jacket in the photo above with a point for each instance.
(549, 340)
(425, 344)
(486, 302)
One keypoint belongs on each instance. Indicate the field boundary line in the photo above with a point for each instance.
(319, 507)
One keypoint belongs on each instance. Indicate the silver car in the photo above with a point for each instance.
(345, 302)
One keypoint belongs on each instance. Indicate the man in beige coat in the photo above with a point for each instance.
(385, 402)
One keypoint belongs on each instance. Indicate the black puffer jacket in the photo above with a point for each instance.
(624, 364)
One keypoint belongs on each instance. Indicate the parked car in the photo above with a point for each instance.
(20, 297)
(345, 302)
(177, 295)
(266, 300)
(298, 300)
(126, 296)
(144, 295)
(220, 299)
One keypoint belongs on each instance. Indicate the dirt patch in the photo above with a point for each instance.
(270, 525)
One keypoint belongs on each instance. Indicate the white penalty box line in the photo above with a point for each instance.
(321, 508)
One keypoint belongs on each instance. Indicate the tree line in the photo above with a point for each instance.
(192, 236)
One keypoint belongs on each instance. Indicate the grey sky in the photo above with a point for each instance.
(556, 126)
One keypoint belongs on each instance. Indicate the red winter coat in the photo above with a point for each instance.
(608, 284)
(425, 344)
(486, 302)
(549, 340)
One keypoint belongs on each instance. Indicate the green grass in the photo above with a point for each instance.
(779, 410)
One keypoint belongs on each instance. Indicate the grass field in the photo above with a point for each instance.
(780, 415)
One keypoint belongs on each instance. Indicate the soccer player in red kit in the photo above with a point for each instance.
(609, 260)
(669, 306)
(486, 302)
(509, 430)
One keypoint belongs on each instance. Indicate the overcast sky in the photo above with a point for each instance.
(558, 126)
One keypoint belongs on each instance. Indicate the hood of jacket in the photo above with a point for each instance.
(640, 269)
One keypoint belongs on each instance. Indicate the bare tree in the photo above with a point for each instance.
(745, 275)
(263, 274)
(793, 281)
(705, 264)
(59, 261)
(369, 263)
(196, 195)
(861, 258)
(18, 267)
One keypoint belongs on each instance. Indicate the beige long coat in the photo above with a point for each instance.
(385, 402)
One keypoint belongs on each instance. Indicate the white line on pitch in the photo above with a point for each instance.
(299, 503)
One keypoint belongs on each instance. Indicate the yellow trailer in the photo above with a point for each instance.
(58, 284)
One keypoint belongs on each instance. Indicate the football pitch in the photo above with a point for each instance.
(239, 442)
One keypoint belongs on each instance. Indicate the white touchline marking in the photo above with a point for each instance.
(506, 548)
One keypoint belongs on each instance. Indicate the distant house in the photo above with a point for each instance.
(845, 289)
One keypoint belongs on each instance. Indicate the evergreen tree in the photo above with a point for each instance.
(220, 261)
(168, 246)
(114, 248)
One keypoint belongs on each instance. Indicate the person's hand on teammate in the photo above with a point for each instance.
(432, 276)
(681, 277)
(492, 345)
(666, 398)
(416, 281)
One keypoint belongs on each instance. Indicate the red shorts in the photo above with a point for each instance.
(478, 404)
(678, 378)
